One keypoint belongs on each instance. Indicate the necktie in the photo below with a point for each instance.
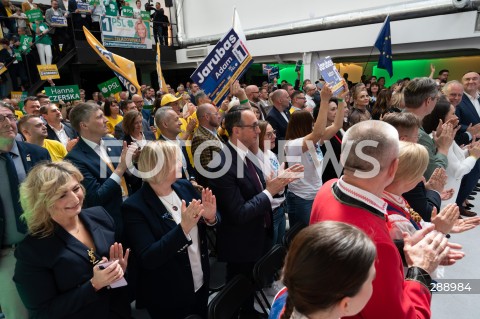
(258, 185)
(14, 185)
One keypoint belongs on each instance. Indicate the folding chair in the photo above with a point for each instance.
(265, 270)
(291, 233)
(218, 274)
(229, 300)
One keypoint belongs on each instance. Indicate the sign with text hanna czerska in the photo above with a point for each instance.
(225, 64)
(64, 93)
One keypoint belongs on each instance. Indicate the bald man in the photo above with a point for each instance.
(356, 199)
(253, 95)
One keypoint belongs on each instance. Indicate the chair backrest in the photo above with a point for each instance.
(292, 232)
(267, 266)
(229, 300)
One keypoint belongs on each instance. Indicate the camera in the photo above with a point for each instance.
(149, 6)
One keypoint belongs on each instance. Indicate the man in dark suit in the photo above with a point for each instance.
(279, 116)
(56, 129)
(468, 112)
(208, 120)
(243, 198)
(168, 122)
(102, 162)
(16, 160)
(453, 91)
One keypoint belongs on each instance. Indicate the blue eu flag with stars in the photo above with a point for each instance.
(384, 45)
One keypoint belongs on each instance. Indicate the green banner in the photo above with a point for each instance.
(111, 8)
(145, 15)
(64, 93)
(94, 2)
(111, 86)
(127, 12)
(34, 15)
(25, 43)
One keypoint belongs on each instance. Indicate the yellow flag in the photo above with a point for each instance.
(161, 80)
(123, 68)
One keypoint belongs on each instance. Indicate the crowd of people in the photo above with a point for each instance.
(123, 187)
(26, 44)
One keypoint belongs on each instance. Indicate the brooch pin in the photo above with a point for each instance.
(28, 158)
(93, 258)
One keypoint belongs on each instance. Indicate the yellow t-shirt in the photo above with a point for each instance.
(111, 123)
(56, 150)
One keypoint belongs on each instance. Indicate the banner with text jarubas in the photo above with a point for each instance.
(227, 62)
(124, 32)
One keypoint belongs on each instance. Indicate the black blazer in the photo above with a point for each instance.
(31, 155)
(53, 274)
(71, 133)
(423, 200)
(277, 121)
(100, 189)
(160, 248)
(466, 113)
(241, 234)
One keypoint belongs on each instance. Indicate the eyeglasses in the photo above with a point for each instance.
(216, 113)
(136, 102)
(254, 126)
(300, 98)
(11, 117)
(271, 134)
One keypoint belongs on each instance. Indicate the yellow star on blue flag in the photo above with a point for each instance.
(384, 45)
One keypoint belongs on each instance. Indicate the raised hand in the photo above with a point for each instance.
(209, 203)
(116, 253)
(191, 214)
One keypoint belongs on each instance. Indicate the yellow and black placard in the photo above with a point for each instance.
(48, 72)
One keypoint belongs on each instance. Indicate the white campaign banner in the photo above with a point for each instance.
(124, 32)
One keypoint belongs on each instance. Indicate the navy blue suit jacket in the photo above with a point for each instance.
(241, 234)
(160, 248)
(53, 274)
(101, 190)
(277, 121)
(423, 200)
(31, 155)
(71, 133)
(466, 113)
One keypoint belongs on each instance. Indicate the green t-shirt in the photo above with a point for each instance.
(41, 39)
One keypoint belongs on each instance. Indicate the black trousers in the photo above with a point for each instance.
(199, 307)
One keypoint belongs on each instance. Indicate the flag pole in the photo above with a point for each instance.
(373, 46)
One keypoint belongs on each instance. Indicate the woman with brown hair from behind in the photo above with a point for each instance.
(328, 273)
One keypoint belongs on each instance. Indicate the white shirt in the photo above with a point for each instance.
(61, 134)
(309, 101)
(193, 250)
(243, 153)
(269, 164)
(100, 150)
(308, 186)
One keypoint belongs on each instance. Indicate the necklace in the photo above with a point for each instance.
(174, 207)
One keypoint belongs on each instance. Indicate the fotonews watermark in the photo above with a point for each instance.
(222, 158)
